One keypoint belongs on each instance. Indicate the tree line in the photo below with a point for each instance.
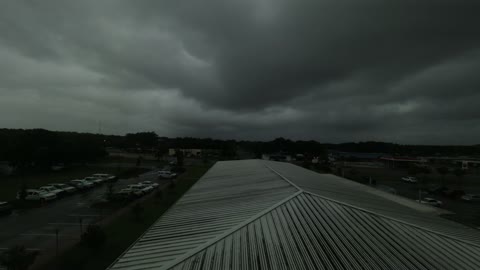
(43, 148)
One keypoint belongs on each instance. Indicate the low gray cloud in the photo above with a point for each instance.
(402, 71)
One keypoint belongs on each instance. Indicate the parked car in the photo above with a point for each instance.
(37, 195)
(132, 191)
(5, 208)
(106, 177)
(471, 198)
(147, 188)
(409, 179)
(68, 189)
(81, 184)
(144, 189)
(431, 201)
(94, 180)
(52, 189)
(166, 174)
(138, 190)
(150, 183)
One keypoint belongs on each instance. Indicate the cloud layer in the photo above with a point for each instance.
(402, 71)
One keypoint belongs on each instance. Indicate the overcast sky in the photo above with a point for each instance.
(332, 70)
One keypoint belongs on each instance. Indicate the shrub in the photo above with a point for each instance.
(17, 258)
(94, 237)
(137, 211)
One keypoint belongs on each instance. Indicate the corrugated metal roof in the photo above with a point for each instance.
(228, 194)
(310, 232)
(257, 215)
(365, 197)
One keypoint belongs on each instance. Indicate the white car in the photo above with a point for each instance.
(471, 198)
(52, 189)
(166, 174)
(409, 179)
(431, 201)
(149, 183)
(143, 188)
(37, 195)
(94, 180)
(104, 176)
(81, 184)
(133, 191)
(68, 189)
(146, 187)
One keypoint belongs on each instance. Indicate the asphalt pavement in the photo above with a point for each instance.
(37, 228)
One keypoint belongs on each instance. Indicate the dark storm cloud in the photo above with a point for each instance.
(330, 70)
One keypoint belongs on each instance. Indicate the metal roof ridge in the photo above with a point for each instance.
(229, 232)
(284, 178)
(393, 219)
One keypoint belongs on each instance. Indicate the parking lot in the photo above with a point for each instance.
(37, 228)
(389, 179)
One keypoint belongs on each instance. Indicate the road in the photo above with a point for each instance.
(36, 228)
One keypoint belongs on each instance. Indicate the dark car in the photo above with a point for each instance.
(5, 208)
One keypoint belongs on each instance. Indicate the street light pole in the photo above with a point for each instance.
(56, 238)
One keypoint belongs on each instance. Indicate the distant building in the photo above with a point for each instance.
(355, 156)
(194, 152)
(277, 157)
(186, 152)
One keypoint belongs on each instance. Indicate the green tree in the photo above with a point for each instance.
(443, 171)
(109, 190)
(142, 139)
(137, 211)
(17, 258)
(459, 173)
(180, 157)
(94, 237)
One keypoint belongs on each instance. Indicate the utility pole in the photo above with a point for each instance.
(56, 238)
(81, 226)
